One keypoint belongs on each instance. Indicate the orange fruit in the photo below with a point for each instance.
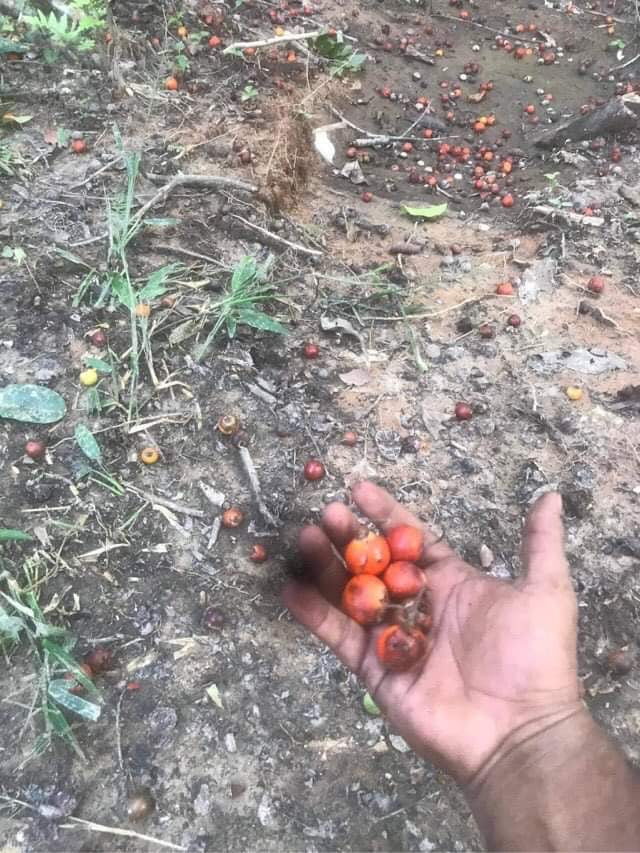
(365, 599)
(367, 554)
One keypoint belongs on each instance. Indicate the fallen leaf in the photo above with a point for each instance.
(431, 212)
(357, 377)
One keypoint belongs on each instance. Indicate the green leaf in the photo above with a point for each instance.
(92, 401)
(260, 320)
(10, 626)
(64, 136)
(7, 252)
(120, 288)
(244, 273)
(18, 119)
(70, 665)
(98, 363)
(19, 255)
(370, 706)
(156, 283)
(87, 443)
(32, 404)
(8, 535)
(432, 212)
(59, 691)
(69, 256)
(57, 723)
(231, 327)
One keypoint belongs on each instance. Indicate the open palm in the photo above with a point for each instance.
(502, 657)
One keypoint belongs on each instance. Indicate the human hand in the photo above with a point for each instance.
(502, 664)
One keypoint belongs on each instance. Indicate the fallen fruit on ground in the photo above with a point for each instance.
(79, 146)
(398, 649)
(142, 309)
(463, 411)
(98, 338)
(89, 377)
(504, 288)
(514, 320)
(405, 543)
(367, 554)
(311, 350)
(99, 659)
(35, 449)
(258, 553)
(365, 599)
(314, 470)
(171, 84)
(350, 438)
(149, 455)
(596, 284)
(232, 517)
(228, 424)
(574, 393)
(140, 804)
(367, 197)
(213, 619)
(403, 580)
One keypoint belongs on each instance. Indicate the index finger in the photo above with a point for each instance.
(386, 513)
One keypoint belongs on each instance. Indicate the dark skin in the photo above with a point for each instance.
(498, 690)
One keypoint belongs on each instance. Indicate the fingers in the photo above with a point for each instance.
(326, 568)
(543, 556)
(346, 639)
(387, 513)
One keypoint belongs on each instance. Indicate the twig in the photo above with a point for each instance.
(432, 315)
(95, 174)
(189, 180)
(240, 45)
(215, 531)
(370, 142)
(314, 253)
(180, 251)
(118, 740)
(625, 64)
(568, 216)
(165, 502)
(252, 474)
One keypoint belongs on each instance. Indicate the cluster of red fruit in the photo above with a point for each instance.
(387, 586)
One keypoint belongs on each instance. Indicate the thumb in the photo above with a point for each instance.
(543, 556)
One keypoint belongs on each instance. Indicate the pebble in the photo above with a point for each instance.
(399, 743)
(230, 742)
(432, 351)
(486, 556)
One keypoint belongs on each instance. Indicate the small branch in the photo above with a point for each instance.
(252, 474)
(312, 253)
(568, 216)
(240, 45)
(190, 180)
(166, 502)
(625, 64)
(95, 174)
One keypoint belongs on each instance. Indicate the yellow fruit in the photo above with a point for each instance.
(149, 455)
(89, 377)
(142, 309)
(574, 393)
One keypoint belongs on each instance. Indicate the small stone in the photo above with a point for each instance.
(399, 743)
(486, 556)
(432, 351)
(620, 661)
(230, 742)
(237, 789)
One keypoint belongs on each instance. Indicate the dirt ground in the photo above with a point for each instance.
(284, 755)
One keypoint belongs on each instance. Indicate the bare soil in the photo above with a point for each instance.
(291, 760)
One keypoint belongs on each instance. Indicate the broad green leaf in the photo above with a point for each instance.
(260, 320)
(244, 272)
(98, 363)
(87, 443)
(9, 535)
(32, 404)
(7, 252)
(156, 284)
(59, 692)
(120, 288)
(10, 626)
(70, 665)
(370, 706)
(431, 212)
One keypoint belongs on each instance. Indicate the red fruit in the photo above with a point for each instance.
(530, 109)
(596, 284)
(258, 553)
(505, 288)
(507, 200)
(367, 197)
(77, 687)
(403, 580)
(99, 659)
(98, 338)
(215, 41)
(463, 411)
(486, 331)
(367, 554)
(350, 438)
(171, 84)
(399, 649)
(514, 320)
(232, 517)
(311, 350)
(78, 146)
(365, 599)
(405, 543)
(314, 470)
(35, 449)
(352, 153)
(407, 147)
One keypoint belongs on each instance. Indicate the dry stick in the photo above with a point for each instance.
(240, 45)
(166, 502)
(382, 139)
(95, 174)
(252, 474)
(190, 180)
(433, 315)
(625, 64)
(313, 253)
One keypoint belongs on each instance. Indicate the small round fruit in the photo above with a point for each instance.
(403, 580)
(232, 517)
(619, 661)
(574, 393)
(79, 146)
(311, 350)
(463, 411)
(398, 649)
(405, 543)
(171, 84)
(505, 288)
(99, 659)
(508, 200)
(140, 804)
(149, 455)
(258, 553)
(514, 320)
(352, 153)
(314, 470)
(486, 331)
(182, 32)
(35, 449)
(228, 424)
(365, 599)
(213, 619)
(367, 196)
(98, 338)
(142, 309)
(215, 41)
(89, 377)
(596, 284)
(367, 554)
(350, 438)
